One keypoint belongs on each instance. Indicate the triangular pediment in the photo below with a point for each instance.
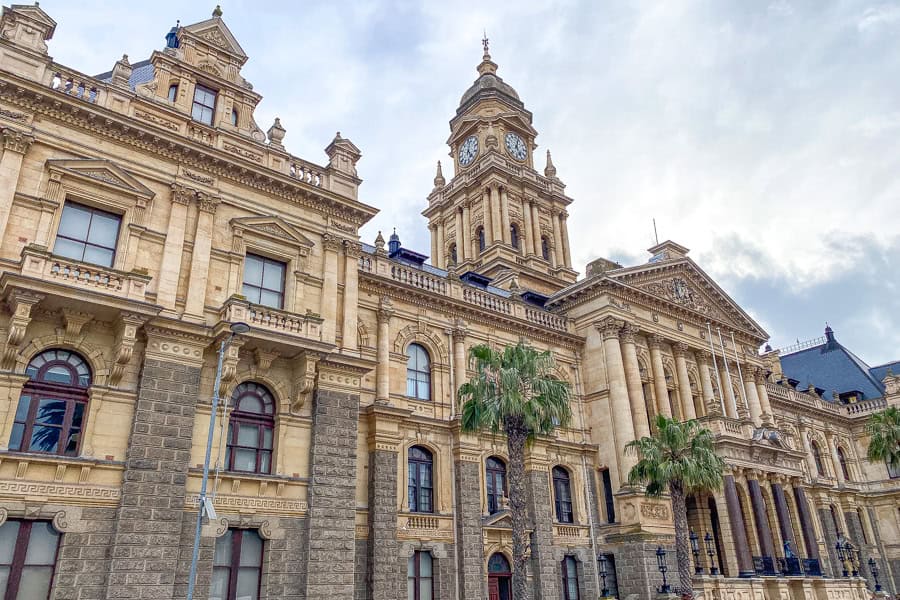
(501, 519)
(680, 282)
(104, 171)
(274, 227)
(214, 33)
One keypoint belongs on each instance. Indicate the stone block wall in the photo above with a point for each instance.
(888, 571)
(83, 557)
(383, 581)
(470, 545)
(204, 559)
(361, 591)
(284, 570)
(831, 567)
(544, 567)
(636, 568)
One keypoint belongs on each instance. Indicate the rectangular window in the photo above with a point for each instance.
(27, 559)
(204, 105)
(570, 578)
(606, 565)
(264, 281)
(608, 496)
(893, 472)
(237, 566)
(87, 234)
(420, 577)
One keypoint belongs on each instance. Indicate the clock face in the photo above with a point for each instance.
(468, 151)
(515, 146)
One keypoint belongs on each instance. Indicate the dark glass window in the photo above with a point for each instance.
(421, 488)
(893, 472)
(608, 496)
(51, 410)
(87, 234)
(481, 243)
(250, 429)
(498, 564)
(612, 581)
(496, 483)
(842, 459)
(264, 281)
(27, 559)
(562, 495)
(834, 519)
(204, 104)
(862, 527)
(570, 578)
(453, 256)
(420, 576)
(514, 236)
(237, 566)
(173, 92)
(817, 457)
(234, 117)
(418, 373)
(545, 248)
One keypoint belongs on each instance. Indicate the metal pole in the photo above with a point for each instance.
(192, 578)
(740, 374)
(727, 372)
(712, 351)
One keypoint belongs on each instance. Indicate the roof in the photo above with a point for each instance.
(141, 72)
(880, 372)
(834, 368)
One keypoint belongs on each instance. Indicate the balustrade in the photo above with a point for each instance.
(41, 264)
(76, 85)
(419, 279)
(485, 300)
(307, 172)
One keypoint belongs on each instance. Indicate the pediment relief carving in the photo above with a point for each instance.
(104, 171)
(216, 35)
(272, 227)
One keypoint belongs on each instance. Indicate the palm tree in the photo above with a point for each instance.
(884, 437)
(681, 459)
(514, 391)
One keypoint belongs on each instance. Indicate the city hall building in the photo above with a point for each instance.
(144, 211)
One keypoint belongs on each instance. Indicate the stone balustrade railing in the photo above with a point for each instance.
(785, 393)
(419, 279)
(41, 264)
(486, 300)
(236, 309)
(307, 172)
(866, 406)
(546, 319)
(77, 85)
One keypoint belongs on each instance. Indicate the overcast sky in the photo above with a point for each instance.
(763, 136)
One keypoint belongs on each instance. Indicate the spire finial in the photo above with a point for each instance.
(549, 170)
(486, 43)
(217, 11)
(439, 180)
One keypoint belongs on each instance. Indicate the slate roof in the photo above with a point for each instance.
(142, 72)
(880, 371)
(832, 367)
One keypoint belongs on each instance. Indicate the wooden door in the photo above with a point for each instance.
(493, 588)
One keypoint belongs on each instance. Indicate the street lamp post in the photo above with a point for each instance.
(695, 550)
(873, 567)
(708, 541)
(205, 506)
(663, 567)
(604, 591)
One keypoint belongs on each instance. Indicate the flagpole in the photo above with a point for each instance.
(712, 351)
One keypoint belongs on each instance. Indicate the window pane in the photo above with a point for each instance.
(223, 550)
(424, 564)
(411, 566)
(244, 460)
(272, 299)
(22, 409)
(35, 583)
(252, 270)
(251, 403)
(247, 583)
(219, 588)
(267, 438)
(44, 439)
(4, 578)
(251, 549)
(50, 412)
(8, 533)
(248, 435)
(273, 276)
(411, 589)
(425, 589)
(41, 544)
(251, 293)
(68, 248)
(411, 387)
(78, 414)
(75, 222)
(72, 441)
(425, 477)
(98, 256)
(104, 230)
(58, 374)
(15, 440)
(265, 462)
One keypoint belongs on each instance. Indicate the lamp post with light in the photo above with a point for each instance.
(205, 505)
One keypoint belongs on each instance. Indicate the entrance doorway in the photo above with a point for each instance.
(499, 578)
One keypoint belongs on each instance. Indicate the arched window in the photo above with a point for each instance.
(817, 457)
(496, 483)
(562, 495)
(498, 564)
(421, 488)
(514, 236)
(52, 406)
(480, 234)
(250, 429)
(842, 459)
(418, 373)
(545, 248)
(834, 520)
(173, 92)
(453, 256)
(234, 116)
(570, 578)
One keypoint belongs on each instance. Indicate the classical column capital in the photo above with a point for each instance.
(459, 330)
(656, 341)
(681, 350)
(385, 310)
(352, 249)
(759, 376)
(703, 357)
(331, 242)
(609, 328)
(182, 195)
(16, 141)
(208, 203)
(627, 333)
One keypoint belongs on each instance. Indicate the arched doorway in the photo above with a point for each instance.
(499, 578)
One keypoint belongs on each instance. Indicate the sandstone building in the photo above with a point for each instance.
(143, 210)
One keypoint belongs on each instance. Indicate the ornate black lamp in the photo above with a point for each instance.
(842, 556)
(663, 567)
(853, 556)
(708, 540)
(604, 592)
(873, 567)
(695, 550)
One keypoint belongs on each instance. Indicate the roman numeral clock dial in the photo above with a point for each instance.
(468, 151)
(515, 146)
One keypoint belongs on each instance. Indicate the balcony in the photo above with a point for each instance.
(308, 325)
(424, 526)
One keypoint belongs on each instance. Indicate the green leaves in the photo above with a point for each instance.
(884, 437)
(518, 384)
(679, 454)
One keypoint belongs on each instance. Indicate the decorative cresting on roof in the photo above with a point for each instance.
(488, 84)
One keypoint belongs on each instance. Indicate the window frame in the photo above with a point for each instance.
(453, 254)
(817, 458)
(85, 243)
(199, 87)
(545, 248)
(559, 504)
(234, 567)
(172, 94)
(413, 490)
(482, 242)
(492, 494)
(568, 577)
(282, 294)
(415, 370)
(842, 462)
(263, 421)
(417, 576)
(20, 551)
(514, 238)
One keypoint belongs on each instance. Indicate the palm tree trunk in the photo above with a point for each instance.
(516, 436)
(682, 544)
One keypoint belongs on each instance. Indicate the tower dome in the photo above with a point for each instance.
(488, 85)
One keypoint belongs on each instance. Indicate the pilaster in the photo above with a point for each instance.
(196, 294)
(684, 385)
(352, 252)
(15, 144)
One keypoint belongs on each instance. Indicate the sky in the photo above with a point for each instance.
(763, 136)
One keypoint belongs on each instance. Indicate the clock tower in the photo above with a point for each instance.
(498, 216)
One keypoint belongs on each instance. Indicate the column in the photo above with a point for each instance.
(383, 357)
(728, 393)
(763, 532)
(458, 224)
(684, 382)
(633, 382)
(434, 245)
(496, 219)
(784, 516)
(330, 244)
(15, 145)
(196, 292)
(806, 522)
(810, 461)
(738, 533)
(752, 397)
(488, 217)
(763, 393)
(504, 216)
(709, 397)
(352, 252)
(466, 250)
(438, 258)
(659, 376)
(459, 359)
(528, 234)
(170, 268)
(557, 239)
(835, 461)
(536, 225)
(618, 394)
(567, 250)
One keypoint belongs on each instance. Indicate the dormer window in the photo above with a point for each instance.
(204, 106)
(234, 117)
(173, 92)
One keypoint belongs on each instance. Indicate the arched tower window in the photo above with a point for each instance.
(418, 373)
(842, 459)
(545, 247)
(481, 242)
(562, 495)
(234, 116)
(420, 487)
(453, 256)
(495, 470)
(817, 458)
(251, 429)
(514, 236)
(173, 92)
(52, 405)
